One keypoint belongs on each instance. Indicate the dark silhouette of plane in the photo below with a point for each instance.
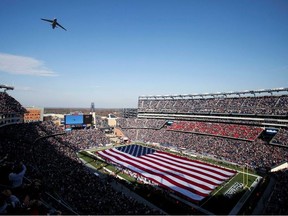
(54, 23)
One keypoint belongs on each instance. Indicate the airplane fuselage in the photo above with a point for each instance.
(54, 23)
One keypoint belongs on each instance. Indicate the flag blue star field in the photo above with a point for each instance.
(191, 178)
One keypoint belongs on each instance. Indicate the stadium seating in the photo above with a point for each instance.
(262, 105)
(54, 163)
(281, 138)
(8, 105)
(11, 111)
(236, 131)
(140, 123)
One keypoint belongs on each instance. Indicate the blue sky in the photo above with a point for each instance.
(117, 50)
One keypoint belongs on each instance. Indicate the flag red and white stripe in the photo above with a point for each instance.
(191, 178)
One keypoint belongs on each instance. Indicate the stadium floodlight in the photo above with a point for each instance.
(7, 87)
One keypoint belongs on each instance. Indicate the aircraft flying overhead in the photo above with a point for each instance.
(54, 23)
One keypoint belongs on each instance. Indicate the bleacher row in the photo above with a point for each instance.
(262, 105)
(236, 131)
(140, 123)
(8, 105)
(211, 139)
(281, 138)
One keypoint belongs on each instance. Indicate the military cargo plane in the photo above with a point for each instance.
(54, 23)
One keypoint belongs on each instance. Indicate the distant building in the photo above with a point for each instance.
(112, 120)
(33, 114)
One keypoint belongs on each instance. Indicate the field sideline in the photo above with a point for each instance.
(232, 193)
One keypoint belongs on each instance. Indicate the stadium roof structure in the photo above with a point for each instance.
(6, 87)
(217, 94)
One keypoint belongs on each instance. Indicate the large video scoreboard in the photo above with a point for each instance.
(73, 119)
(77, 120)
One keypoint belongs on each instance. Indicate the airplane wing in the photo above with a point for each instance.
(47, 20)
(60, 26)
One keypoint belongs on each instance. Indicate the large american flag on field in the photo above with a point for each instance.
(190, 178)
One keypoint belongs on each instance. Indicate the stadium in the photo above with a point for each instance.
(212, 153)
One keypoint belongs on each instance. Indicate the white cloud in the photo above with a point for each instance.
(23, 65)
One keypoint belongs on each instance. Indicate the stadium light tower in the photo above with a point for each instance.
(7, 87)
(92, 111)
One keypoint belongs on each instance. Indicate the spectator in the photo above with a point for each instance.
(17, 175)
(13, 202)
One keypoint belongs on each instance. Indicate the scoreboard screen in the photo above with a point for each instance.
(73, 119)
(87, 119)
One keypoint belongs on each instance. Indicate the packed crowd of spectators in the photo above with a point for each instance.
(54, 162)
(79, 139)
(263, 105)
(140, 123)
(101, 123)
(236, 131)
(277, 203)
(281, 138)
(9, 105)
(85, 139)
(256, 154)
